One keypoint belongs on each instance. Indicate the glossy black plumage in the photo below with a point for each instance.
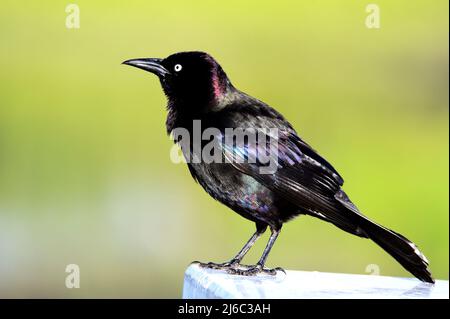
(304, 182)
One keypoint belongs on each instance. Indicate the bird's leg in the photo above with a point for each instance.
(237, 259)
(259, 267)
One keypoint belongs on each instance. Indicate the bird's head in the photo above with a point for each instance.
(191, 79)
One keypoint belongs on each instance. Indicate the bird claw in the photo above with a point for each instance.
(220, 266)
(235, 268)
(255, 270)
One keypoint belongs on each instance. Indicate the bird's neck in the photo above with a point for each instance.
(224, 97)
(181, 113)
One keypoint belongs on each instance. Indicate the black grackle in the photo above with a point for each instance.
(197, 88)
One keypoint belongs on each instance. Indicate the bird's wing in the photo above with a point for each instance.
(301, 176)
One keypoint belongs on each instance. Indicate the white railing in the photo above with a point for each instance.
(208, 283)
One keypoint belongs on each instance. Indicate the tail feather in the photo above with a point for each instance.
(396, 245)
(399, 247)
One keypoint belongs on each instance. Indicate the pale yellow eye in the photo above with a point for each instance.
(177, 67)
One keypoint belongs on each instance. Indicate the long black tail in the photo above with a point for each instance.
(399, 247)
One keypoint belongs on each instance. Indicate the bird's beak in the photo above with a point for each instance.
(152, 65)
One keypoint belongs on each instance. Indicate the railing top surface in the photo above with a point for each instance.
(201, 282)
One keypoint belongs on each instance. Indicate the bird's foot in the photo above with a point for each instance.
(233, 267)
(255, 270)
(226, 265)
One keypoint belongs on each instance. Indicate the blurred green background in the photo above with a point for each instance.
(85, 174)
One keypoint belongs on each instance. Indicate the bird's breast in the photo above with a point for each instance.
(241, 192)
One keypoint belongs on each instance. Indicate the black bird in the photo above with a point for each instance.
(197, 88)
